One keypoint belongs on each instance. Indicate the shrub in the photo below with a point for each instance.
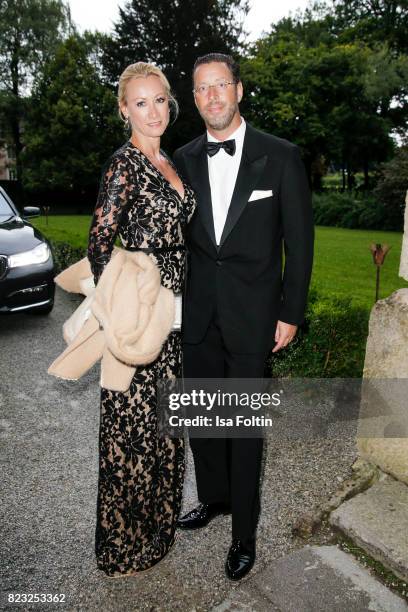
(331, 344)
(392, 186)
(349, 211)
(65, 255)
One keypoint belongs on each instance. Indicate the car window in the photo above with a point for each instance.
(5, 208)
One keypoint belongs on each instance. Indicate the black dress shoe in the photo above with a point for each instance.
(240, 559)
(202, 515)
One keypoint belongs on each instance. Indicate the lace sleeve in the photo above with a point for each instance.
(190, 207)
(113, 195)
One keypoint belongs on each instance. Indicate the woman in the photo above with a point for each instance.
(145, 203)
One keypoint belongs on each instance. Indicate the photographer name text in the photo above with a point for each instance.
(217, 421)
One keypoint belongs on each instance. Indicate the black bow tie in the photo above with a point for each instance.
(212, 148)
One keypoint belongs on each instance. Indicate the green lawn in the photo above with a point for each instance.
(343, 263)
(342, 266)
(335, 179)
(65, 228)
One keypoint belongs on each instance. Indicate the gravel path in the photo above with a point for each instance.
(48, 433)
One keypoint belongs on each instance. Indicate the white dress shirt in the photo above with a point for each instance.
(223, 172)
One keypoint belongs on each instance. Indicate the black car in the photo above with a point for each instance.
(26, 262)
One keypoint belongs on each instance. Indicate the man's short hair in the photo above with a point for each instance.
(222, 58)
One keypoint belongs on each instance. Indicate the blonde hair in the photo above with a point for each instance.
(140, 70)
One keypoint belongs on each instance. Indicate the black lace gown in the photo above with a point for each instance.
(140, 475)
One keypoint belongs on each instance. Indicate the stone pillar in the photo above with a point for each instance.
(387, 358)
(403, 271)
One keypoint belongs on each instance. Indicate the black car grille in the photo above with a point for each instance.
(3, 266)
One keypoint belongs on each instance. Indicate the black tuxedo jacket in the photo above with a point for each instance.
(243, 279)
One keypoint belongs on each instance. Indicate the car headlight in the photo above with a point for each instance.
(38, 255)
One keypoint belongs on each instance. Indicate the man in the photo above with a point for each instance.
(252, 195)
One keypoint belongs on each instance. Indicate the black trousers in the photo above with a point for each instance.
(227, 470)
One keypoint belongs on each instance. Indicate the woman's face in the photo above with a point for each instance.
(146, 106)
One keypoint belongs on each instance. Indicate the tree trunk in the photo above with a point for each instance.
(350, 178)
(16, 118)
(366, 177)
(18, 147)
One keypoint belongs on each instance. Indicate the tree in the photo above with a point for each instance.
(369, 21)
(387, 85)
(392, 186)
(277, 95)
(335, 80)
(318, 97)
(172, 34)
(373, 21)
(30, 31)
(72, 126)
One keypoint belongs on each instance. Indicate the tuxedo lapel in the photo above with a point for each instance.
(250, 169)
(198, 166)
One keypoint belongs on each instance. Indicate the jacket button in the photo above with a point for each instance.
(218, 262)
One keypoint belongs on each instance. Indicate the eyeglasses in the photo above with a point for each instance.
(220, 87)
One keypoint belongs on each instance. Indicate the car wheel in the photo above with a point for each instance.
(42, 310)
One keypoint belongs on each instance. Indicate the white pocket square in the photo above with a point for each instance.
(258, 194)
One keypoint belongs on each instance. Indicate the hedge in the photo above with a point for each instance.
(353, 212)
(330, 344)
(65, 255)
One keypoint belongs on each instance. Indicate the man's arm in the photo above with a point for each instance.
(298, 236)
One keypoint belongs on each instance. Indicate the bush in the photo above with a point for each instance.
(392, 186)
(352, 212)
(65, 255)
(331, 344)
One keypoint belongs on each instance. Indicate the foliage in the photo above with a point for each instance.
(370, 21)
(72, 126)
(324, 98)
(334, 79)
(373, 21)
(30, 31)
(331, 344)
(172, 34)
(392, 186)
(65, 255)
(354, 212)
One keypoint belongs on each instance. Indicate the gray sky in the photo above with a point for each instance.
(100, 14)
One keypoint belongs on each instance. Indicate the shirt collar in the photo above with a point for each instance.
(238, 135)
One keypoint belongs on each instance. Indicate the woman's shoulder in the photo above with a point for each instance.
(120, 155)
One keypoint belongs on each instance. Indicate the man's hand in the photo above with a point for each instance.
(285, 332)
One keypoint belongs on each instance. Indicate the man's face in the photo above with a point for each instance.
(219, 104)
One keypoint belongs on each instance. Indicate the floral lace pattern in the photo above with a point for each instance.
(140, 475)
